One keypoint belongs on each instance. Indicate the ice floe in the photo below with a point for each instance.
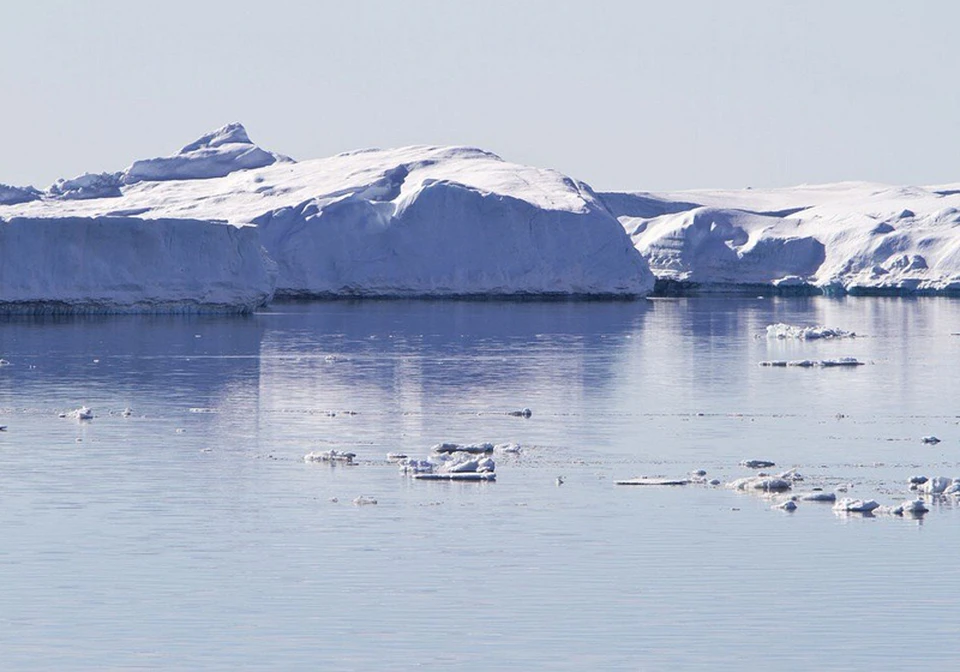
(815, 496)
(850, 505)
(475, 448)
(788, 505)
(757, 464)
(789, 331)
(653, 480)
(761, 483)
(930, 440)
(331, 456)
(809, 363)
(364, 500)
(82, 413)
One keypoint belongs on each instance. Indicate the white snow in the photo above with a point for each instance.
(855, 237)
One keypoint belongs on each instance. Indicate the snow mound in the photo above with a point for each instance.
(15, 195)
(849, 505)
(788, 331)
(87, 186)
(215, 154)
(118, 264)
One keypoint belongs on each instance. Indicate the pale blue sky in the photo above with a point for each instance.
(624, 95)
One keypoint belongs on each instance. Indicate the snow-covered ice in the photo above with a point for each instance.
(474, 448)
(414, 221)
(788, 331)
(850, 237)
(762, 483)
(850, 505)
(332, 456)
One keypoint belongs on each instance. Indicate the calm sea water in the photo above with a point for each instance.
(192, 535)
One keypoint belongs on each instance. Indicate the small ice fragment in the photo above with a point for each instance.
(457, 476)
(791, 475)
(766, 483)
(4, 362)
(331, 456)
(788, 505)
(816, 496)
(953, 488)
(414, 466)
(803, 363)
(475, 448)
(757, 464)
(82, 413)
(784, 331)
(850, 505)
(334, 500)
(842, 361)
(363, 500)
(914, 507)
(646, 480)
(508, 448)
(486, 464)
(463, 467)
(181, 430)
(127, 412)
(930, 439)
(936, 485)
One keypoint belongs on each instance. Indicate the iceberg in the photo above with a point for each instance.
(411, 222)
(851, 237)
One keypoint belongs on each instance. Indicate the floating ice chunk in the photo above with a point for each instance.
(396, 457)
(127, 412)
(522, 413)
(332, 456)
(757, 464)
(507, 448)
(765, 483)
(842, 361)
(647, 480)
(850, 505)
(486, 464)
(82, 413)
(791, 475)
(810, 363)
(953, 488)
(462, 467)
(930, 439)
(363, 500)
(785, 331)
(788, 505)
(457, 476)
(4, 362)
(474, 448)
(816, 496)
(936, 485)
(914, 507)
(414, 466)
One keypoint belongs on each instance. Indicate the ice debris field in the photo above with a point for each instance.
(787, 490)
(225, 225)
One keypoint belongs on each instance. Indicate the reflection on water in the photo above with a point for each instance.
(192, 535)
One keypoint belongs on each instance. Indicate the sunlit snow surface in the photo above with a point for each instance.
(219, 547)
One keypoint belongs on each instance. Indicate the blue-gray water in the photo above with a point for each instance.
(193, 536)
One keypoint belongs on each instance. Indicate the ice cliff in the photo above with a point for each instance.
(415, 221)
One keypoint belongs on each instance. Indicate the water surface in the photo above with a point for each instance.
(192, 535)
